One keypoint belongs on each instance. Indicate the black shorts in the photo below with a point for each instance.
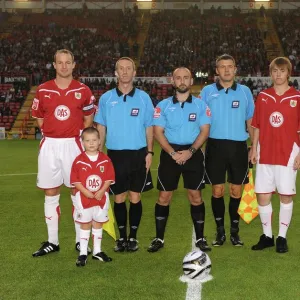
(223, 156)
(169, 171)
(130, 171)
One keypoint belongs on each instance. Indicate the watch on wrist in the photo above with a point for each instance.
(150, 152)
(172, 153)
(192, 150)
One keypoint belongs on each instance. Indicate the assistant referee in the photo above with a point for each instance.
(232, 108)
(125, 117)
(181, 127)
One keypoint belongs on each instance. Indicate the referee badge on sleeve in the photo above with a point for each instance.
(235, 104)
(157, 111)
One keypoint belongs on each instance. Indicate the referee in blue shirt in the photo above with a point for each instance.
(232, 108)
(125, 118)
(181, 127)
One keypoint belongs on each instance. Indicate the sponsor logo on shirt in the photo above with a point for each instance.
(62, 113)
(276, 119)
(157, 112)
(93, 183)
(35, 104)
(192, 117)
(293, 103)
(215, 95)
(235, 104)
(113, 103)
(47, 96)
(77, 95)
(172, 108)
(135, 112)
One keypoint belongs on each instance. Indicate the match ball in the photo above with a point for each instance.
(196, 265)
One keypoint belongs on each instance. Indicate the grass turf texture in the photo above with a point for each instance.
(239, 273)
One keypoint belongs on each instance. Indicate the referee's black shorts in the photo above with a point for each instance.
(169, 171)
(130, 171)
(226, 156)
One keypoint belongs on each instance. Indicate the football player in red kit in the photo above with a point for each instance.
(63, 107)
(92, 173)
(275, 150)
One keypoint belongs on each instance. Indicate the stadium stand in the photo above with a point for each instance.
(182, 38)
(158, 42)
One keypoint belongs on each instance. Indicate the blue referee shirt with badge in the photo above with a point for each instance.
(181, 120)
(230, 109)
(126, 118)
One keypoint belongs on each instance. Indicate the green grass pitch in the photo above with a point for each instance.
(239, 273)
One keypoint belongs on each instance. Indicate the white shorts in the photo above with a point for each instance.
(95, 213)
(271, 177)
(55, 161)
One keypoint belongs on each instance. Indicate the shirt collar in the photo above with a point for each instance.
(220, 87)
(131, 93)
(189, 99)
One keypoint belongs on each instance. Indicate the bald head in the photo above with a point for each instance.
(182, 80)
(181, 69)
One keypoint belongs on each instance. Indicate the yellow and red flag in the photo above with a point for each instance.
(109, 226)
(248, 208)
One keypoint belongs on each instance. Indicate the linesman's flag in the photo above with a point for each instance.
(109, 226)
(248, 208)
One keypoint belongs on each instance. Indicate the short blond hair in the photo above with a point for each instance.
(281, 61)
(63, 51)
(126, 58)
(224, 57)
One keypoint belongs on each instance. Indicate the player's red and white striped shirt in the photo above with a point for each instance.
(92, 175)
(278, 120)
(62, 110)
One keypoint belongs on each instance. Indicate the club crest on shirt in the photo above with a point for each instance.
(192, 117)
(135, 112)
(79, 216)
(102, 169)
(235, 104)
(276, 119)
(157, 112)
(293, 103)
(77, 95)
(35, 104)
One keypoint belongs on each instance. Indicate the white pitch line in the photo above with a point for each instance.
(24, 174)
(194, 288)
(21, 174)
